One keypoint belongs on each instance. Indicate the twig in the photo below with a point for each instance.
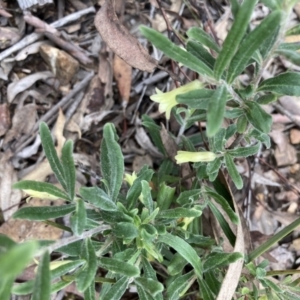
(287, 113)
(29, 39)
(72, 239)
(53, 111)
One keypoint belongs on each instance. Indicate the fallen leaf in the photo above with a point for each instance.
(8, 36)
(22, 123)
(21, 85)
(9, 198)
(122, 74)
(121, 41)
(295, 136)
(5, 120)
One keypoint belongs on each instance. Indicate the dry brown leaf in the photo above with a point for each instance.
(22, 123)
(8, 36)
(295, 136)
(9, 198)
(21, 85)
(121, 41)
(122, 74)
(234, 271)
(5, 120)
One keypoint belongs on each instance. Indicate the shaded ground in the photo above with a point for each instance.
(65, 75)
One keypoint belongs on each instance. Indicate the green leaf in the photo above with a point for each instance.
(136, 189)
(291, 55)
(111, 161)
(216, 110)
(198, 99)
(179, 212)
(294, 30)
(272, 4)
(205, 291)
(69, 167)
(212, 168)
(233, 172)
(199, 35)
(267, 45)
(258, 117)
(224, 204)
(251, 43)
(188, 197)
(154, 131)
(230, 131)
(235, 6)
(51, 154)
(184, 249)
(244, 151)
(59, 286)
(5, 288)
(218, 260)
(180, 285)
(117, 290)
(266, 99)
(126, 231)
(146, 196)
(41, 213)
(260, 136)
(78, 219)
(88, 272)
(89, 293)
(165, 196)
(98, 198)
(233, 113)
(176, 264)
(223, 223)
(118, 266)
(219, 140)
(283, 84)
(46, 189)
(200, 52)
(151, 286)
(175, 52)
(65, 268)
(20, 253)
(6, 243)
(143, 295)
(41, 289)
(241, 124)
(234, 37)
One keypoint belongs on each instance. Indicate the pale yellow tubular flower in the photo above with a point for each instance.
(186, 156)
(168, 100)
(130, 178)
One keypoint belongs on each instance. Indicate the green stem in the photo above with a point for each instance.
(273, 240)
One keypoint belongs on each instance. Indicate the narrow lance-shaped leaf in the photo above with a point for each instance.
(69, 167)
(184, 249)
(175, 52)
(283, 84)
(153, 287)
(41, 290)
(118, 266)
(78, 219)
(258, 117)
(88, 272)
(244, 151)
(112, 162)
(233, 172)
(217, 260)
(179, 212)
(41, 213)
(51, 155)
(200, 52)
(198, 34)
(97, 197)
(117, 290)
(42, 190)
(216, 110)
(225, 205)
(234, 37)
(146, 196)
(180, 285)
(251, 43)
